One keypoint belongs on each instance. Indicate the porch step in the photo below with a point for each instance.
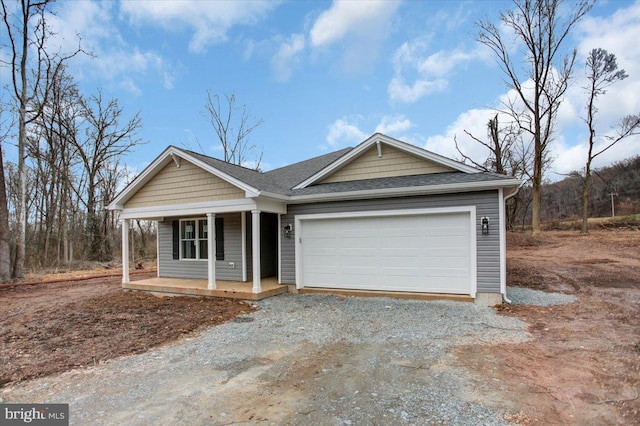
(231, 292)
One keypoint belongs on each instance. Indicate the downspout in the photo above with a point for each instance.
(514, 193)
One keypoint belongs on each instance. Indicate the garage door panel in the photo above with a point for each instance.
(356, 262)
(357, 243)
(434, 257)
(401, 272)
(418, 253)
(325, 262)
(402, 263)
(459, 241)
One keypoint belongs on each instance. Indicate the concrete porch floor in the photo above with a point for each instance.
(191, 287)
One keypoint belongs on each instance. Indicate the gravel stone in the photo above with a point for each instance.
(328, 360)
(525, 296)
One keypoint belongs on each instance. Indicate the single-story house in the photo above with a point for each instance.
(384, 216)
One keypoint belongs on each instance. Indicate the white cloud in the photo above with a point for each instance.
(400, 91)
(430, 70)
(210, 21)
(356, 29)
(287, 56)
(442, 62)
(475, 122)
(345, 130)
(115, 60)
(393, 125)
(341, 132)
(344, 18)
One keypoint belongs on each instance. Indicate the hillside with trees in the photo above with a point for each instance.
(562, 200)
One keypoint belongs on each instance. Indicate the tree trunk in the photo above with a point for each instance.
(5, 233)
(21, 211)
(586, 183)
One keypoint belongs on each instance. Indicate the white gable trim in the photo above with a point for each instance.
(174, 154)
(376, 139)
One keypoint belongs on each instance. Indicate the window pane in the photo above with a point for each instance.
(203, 249)
(188, 249)
(202, 228)
(188, 230)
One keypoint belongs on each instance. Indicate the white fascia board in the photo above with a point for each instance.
(274, 196)
(402, 146)
(270, 206)
(169, 155)
(403, 192)
(227, 206)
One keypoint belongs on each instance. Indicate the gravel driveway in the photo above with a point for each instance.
(304, 359)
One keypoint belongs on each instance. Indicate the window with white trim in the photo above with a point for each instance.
(193, 239)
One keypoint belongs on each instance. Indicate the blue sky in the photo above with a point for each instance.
(324, 75)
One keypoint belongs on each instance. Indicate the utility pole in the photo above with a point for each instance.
(613, 207)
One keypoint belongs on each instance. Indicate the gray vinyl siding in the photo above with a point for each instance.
(488, 246)
(197, 269)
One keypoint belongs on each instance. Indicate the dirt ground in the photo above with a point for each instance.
(583, 364)
(49, 328)
(581, 367)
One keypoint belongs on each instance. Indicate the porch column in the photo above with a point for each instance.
(125, 251)
(211, 250)
(255, 248)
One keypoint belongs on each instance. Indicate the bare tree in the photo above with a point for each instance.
(602, 71)
(508, 155)
(541, 29)
(107, 139)
(27, 32)
(233, 125)
(5, 230)
(51, 158)
(502, 157)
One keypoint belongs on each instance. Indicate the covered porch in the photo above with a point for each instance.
(194, 287)
(213, 225)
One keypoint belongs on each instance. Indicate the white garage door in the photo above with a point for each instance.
(415, 253)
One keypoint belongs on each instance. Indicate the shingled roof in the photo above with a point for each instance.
(302, 181)
(434, 179)
(282, 180)
(278, 181)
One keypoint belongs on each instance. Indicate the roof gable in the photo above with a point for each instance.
(177, 157)
(182, 185)
(402, 159)
(381, 161)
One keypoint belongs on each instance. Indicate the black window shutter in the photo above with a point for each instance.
(219, 238)
(176, 239)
